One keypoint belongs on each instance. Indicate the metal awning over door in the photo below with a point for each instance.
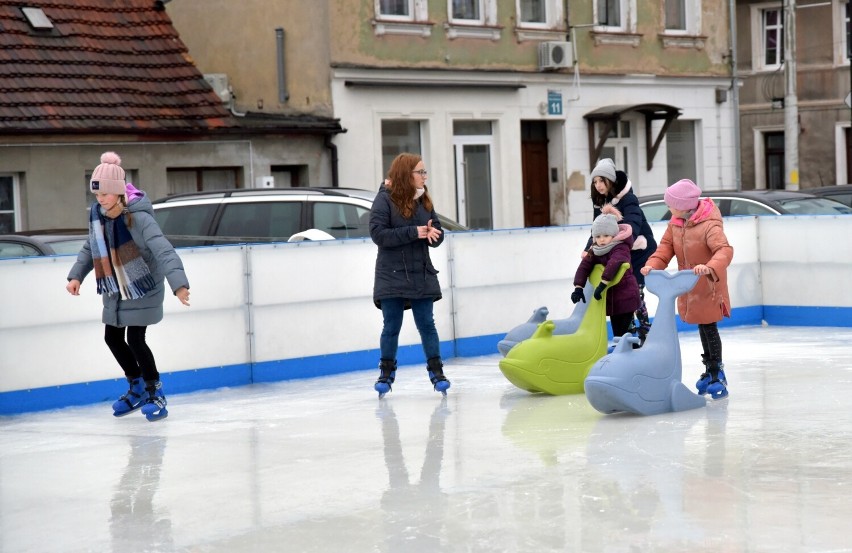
(609, 116)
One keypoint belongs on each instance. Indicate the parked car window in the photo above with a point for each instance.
(260, 221)
(341, 220)
(15, 249)
(185, 224)
(29, 243)
(814, 206)
(748, 207)
(65, 247)
(656, 211)
(268, 215)
(838, 192)
(843, 197)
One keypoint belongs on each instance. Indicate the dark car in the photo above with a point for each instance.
(42, 242)
(839, 192)
(252, 215)
(734, 203)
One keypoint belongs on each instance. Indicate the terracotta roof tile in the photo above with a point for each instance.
(106, 66)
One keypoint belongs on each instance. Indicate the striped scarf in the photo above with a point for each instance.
(120, 268)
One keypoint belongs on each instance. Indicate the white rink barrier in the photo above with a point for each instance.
(294, 310)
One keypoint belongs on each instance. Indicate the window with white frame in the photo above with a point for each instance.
(401, 10)
(532, 12)
(464, 11)
(847, 29)
(539, 14)
(767, 21)
(395, 9)
(683, 17)
(472, 19)
(398, 136)
(472, 12)
(617, 16)
(9, 217)
(682, 24)
(842, 29)
(405, 17)
(843, 10)
(609, 13)
(676, 15)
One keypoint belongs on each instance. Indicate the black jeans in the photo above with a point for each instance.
(620, 324)
(133, 355)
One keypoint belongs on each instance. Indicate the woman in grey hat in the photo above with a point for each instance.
(612, 192)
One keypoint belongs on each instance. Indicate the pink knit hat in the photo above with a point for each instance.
(108, 177)
(683, 195)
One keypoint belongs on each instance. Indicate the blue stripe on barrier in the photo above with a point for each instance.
(785, 315)
(86, 393)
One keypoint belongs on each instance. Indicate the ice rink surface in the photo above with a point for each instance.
(323, 465)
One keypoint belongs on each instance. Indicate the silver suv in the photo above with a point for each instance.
(251, 215)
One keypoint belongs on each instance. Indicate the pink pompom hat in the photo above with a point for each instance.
(108, 177)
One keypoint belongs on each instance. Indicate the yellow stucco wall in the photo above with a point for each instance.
(239, 39)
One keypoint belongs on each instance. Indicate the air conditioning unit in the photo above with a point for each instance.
(555, 55)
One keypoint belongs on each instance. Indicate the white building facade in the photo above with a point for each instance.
(484, 136)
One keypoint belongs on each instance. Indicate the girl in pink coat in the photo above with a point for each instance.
(696, 236)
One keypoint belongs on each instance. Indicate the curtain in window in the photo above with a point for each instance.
(395, 7)
(676, 15)
(533, 11)
(609, 13)
(466, 9)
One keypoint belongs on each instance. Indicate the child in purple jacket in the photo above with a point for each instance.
(611, 243)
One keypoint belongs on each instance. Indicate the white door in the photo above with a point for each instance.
(474, 170)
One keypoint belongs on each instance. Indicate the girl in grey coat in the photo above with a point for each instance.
(131, 258)
(404, 225)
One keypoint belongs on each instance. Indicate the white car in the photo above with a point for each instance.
(252, 215)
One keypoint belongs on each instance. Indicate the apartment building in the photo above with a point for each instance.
(510, 102)
(821, 79)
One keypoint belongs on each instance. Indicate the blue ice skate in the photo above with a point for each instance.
(154, 407)
(435, 369)
(387, 375)
(132, 400)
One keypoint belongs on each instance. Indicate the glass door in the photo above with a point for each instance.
(472, 143)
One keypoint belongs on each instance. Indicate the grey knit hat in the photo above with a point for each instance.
(605, 168)
(605, 225)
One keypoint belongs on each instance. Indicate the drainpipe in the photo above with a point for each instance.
(283, 95)
(332, 147)
(735, 97)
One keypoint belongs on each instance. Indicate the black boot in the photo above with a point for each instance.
(705, 378)
(718, 386)
(387, 374)
(435, 368)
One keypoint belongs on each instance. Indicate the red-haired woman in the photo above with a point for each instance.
(404, 225)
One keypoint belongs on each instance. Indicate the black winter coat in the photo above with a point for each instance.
(628, 204)
(403, 266)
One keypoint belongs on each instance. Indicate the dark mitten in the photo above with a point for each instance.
(620, 178)
(599, 290)
(578, 295)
